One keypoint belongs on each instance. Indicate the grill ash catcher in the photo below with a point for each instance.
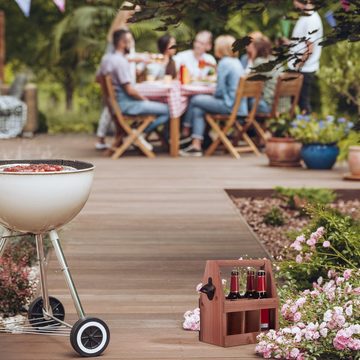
(39, 203)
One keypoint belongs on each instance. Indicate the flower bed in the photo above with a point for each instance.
(320, 319)
(277, 237)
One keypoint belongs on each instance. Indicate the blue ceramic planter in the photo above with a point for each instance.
(319, 156)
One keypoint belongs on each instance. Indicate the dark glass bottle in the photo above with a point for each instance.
(261, 294)
(250, 284)
(234, 286)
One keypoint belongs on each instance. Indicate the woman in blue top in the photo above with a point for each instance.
(229, 72)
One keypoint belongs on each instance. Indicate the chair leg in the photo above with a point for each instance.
(251, 144)
(223, 138)
(246, 137)
(260, 130)
(132, 138)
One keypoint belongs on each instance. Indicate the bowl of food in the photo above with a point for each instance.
(37, 196)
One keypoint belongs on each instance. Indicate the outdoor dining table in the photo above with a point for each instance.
(177, 97)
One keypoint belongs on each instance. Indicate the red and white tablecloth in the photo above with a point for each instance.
(174, 94)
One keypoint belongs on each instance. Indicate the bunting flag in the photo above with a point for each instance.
(60, 4)
(24, 5)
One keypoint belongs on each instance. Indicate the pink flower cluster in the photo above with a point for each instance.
(306, 246)
(344, 339)
(300, 243)
(325, 320)
(192, 320)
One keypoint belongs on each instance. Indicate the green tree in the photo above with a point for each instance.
(340, 75)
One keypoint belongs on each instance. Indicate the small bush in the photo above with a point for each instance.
(300, 198)
(73, 122)
(22, 250)
(274, 217)
(331, 241)
(15, 288)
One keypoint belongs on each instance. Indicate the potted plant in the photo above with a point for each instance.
(319, 139)
(281, 148)
(350, 150)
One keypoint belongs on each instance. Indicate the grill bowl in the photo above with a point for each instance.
(40, 202)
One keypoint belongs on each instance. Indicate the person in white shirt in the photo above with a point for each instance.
(308, 59)
(197, 61)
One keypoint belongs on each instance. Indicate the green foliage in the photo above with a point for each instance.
(280, 127)
(274, 217)
(341, 252)
(296, 198)
(344, 145)
(340, 75)
(72, 122)
(310, 129)
(15, 287)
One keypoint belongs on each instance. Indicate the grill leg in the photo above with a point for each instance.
(43, 277)
(3, 239)
(65, 269)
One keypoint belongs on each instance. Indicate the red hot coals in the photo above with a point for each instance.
(36, 168)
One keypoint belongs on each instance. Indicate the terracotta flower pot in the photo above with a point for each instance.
(283, 152)
(354, 160)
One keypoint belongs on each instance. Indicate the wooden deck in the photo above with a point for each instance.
(139, 246)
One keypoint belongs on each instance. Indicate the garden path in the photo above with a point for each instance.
(139, 246)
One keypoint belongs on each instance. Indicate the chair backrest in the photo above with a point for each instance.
(247, 88)
(288, 87)
(110, 97)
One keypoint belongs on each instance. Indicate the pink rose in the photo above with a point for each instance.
(326, 244)
(294, 353)
(299, 259)
(341, 341)
(297, 316)
(347, 274)
(311, 241)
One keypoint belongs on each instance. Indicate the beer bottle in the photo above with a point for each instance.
(250, 284)
(261, 294)
(234, 286)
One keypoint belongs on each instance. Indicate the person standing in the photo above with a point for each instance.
(197, 60)
(307, 60)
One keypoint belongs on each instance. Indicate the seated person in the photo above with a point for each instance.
(229, 72)
(248, 58)
(166, 66)
(130, 100)
(262, 54)
(191, 58)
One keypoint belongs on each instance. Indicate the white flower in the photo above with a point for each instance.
(338, 310)
(324, 332)
(349, 310)
(294, 353)
(327, 315)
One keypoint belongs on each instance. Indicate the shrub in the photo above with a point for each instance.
(274, 217)
(22, 249)
(72, 122)
(320, 324)
(15, 288)
(299, 198)
(331, 241)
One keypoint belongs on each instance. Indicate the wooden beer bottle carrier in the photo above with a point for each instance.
(234, 322)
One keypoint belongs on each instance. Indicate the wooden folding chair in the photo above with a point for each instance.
(247, 88)
(124, 122)
(287, 88)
